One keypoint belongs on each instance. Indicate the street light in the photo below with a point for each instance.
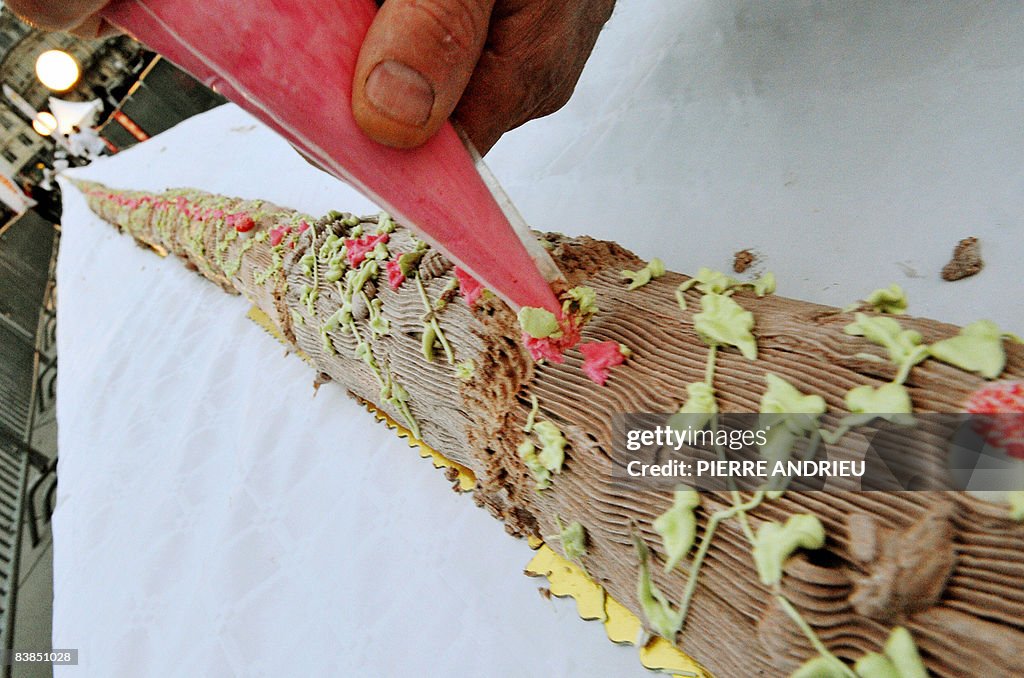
(45, 124)
(58, 70)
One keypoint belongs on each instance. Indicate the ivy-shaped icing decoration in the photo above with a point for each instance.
(527, 452)
(655, 268)
(431, 328)
(394, 394)
(710, 281)
(580, 301)
(886, 399)
(775, 543)
(875, 665)
(552, 442)
(723, 322)
(465, 370)
(866, 403)
(662, 619)
(678, 527)
(385, 224)
(379, 325)
(781, 397)
(904, 346)
(1016, 501)
(552, 448)
(902, 652)
(700, 399)
(531, 417)
(978, 348)
(891, 299)
(539, 323)
(795, 416)
(822, 667)
(573, 538)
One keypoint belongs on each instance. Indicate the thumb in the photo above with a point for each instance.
(414, 65)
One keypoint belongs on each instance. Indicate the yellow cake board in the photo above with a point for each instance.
(565, 578)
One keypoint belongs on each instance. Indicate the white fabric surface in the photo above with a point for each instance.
(215, 519)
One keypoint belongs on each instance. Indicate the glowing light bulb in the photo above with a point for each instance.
(45, 123)
(58, 70)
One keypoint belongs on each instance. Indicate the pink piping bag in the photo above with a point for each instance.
(290, 63)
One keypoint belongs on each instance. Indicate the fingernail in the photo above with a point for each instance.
(400, 93)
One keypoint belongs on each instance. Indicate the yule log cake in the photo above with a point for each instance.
(839, 583)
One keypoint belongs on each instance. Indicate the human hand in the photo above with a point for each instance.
(80, 17)
(495, 63)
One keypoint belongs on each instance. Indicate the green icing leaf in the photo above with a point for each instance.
(724, 322)
(710, 281)
(655, 268)
(891, 299)
(821, 667)
(528, 453)
(874, 665)
(887, 399)
(764, 285)
(781, 397)
(384, 223)
(582, 300)
(662, 619)
(538, 322)
(904, 346)
(678, 527)
(796, 415)
(775, 543)
(1016, 499)
(574, 539)
(902, 652)
(379, 325)
(978, 348)
(465, 370)
(552, 442)
(700, 399)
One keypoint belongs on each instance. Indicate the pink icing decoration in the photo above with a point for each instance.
(395, 275)
(553, 348)
(468, 285)
(358, 248)
(1006, 399)
(303, 227)
(599, 357)
(278, 234)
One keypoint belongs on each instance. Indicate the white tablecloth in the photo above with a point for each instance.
(216, 519)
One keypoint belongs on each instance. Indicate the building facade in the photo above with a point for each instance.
(108, 68)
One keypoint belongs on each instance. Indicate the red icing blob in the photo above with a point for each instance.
(1006, 431)
(599, 357)
(358, 248)
(553, 348)
(242, 223)
(278, 234)
(468, 285)
(395, 275)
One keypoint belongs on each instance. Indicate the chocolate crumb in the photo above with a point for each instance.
(966, 260)
(743, 260)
